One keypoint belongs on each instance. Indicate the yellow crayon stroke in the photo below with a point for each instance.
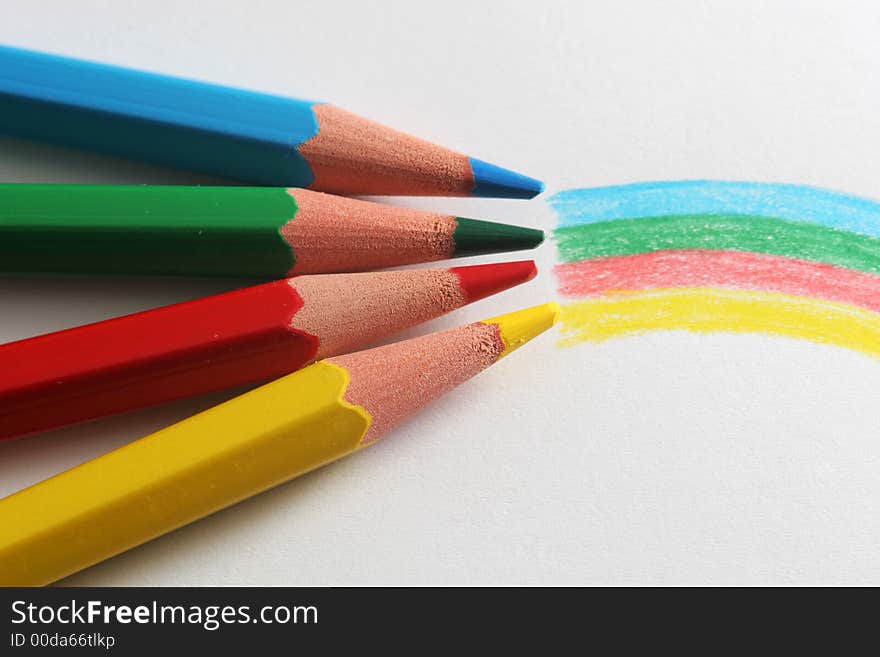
(711, 310)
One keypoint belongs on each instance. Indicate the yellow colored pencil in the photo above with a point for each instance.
(240, 448)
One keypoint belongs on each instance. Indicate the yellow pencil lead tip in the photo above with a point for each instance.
(519, 327)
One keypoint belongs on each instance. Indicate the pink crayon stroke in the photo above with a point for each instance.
(726, 269)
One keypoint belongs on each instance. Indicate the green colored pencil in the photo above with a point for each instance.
(227, 231)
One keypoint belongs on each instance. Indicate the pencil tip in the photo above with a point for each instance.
(496, 182)
(519, 327)
(481, 281)
(475, 237)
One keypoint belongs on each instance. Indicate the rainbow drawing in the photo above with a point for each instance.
(715, 256)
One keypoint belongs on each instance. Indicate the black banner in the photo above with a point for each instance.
(259, 621)
(140, 620)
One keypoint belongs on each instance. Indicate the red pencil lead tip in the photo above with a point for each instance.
(481, 281)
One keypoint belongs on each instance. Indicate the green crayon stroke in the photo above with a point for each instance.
(769, 235)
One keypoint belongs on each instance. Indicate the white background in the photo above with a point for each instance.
(670, 458)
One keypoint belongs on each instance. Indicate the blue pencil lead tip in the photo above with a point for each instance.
(496, 182)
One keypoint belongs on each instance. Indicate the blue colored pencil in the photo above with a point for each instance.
(245, 135)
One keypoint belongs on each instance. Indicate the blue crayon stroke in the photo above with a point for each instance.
(687, 197)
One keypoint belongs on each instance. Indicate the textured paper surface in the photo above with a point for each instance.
(666, 458)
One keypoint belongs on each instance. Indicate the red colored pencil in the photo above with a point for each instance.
(222, 341)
